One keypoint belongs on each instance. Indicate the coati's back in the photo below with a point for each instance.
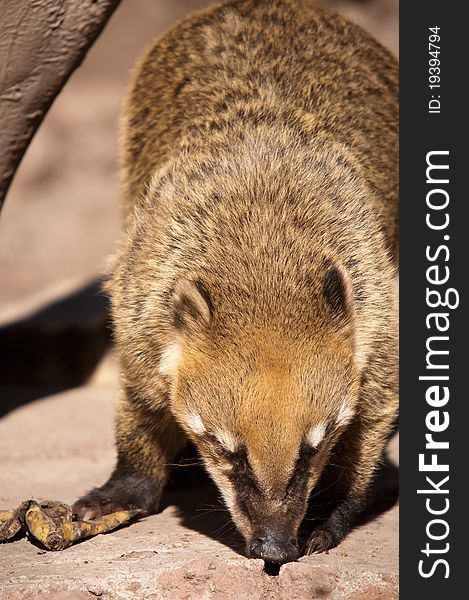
(288, 64)
(252, 296)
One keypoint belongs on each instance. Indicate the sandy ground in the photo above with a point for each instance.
(60, 222)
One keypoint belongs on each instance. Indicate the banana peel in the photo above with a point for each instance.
(51, 523)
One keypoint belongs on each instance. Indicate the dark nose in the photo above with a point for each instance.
(274, 548)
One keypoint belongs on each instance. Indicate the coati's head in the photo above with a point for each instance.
(264, 395)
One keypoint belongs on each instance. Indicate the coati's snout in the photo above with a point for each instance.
(266, 506)
(274, 547)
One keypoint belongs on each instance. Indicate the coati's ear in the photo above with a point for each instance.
(338, 293)
(191, 306)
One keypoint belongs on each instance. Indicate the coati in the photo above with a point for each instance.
(253, 293)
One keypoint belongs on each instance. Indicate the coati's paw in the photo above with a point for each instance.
(95, 504)
(321, 540)
(125, 492)
(334, 530)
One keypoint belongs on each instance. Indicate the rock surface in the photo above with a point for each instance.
(61, 445)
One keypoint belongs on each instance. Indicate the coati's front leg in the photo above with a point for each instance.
(147, 443)
(355, 459)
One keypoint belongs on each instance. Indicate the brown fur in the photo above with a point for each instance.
(259, 169)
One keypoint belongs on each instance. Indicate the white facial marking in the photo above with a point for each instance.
(170, 359)
(226, 440)
(345, 414)
(194, 422)
(228, 496)
(315, 434)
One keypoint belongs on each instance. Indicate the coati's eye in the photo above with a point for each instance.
(311, 451)
(224, 443)
(235, 456)
(303, 468)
